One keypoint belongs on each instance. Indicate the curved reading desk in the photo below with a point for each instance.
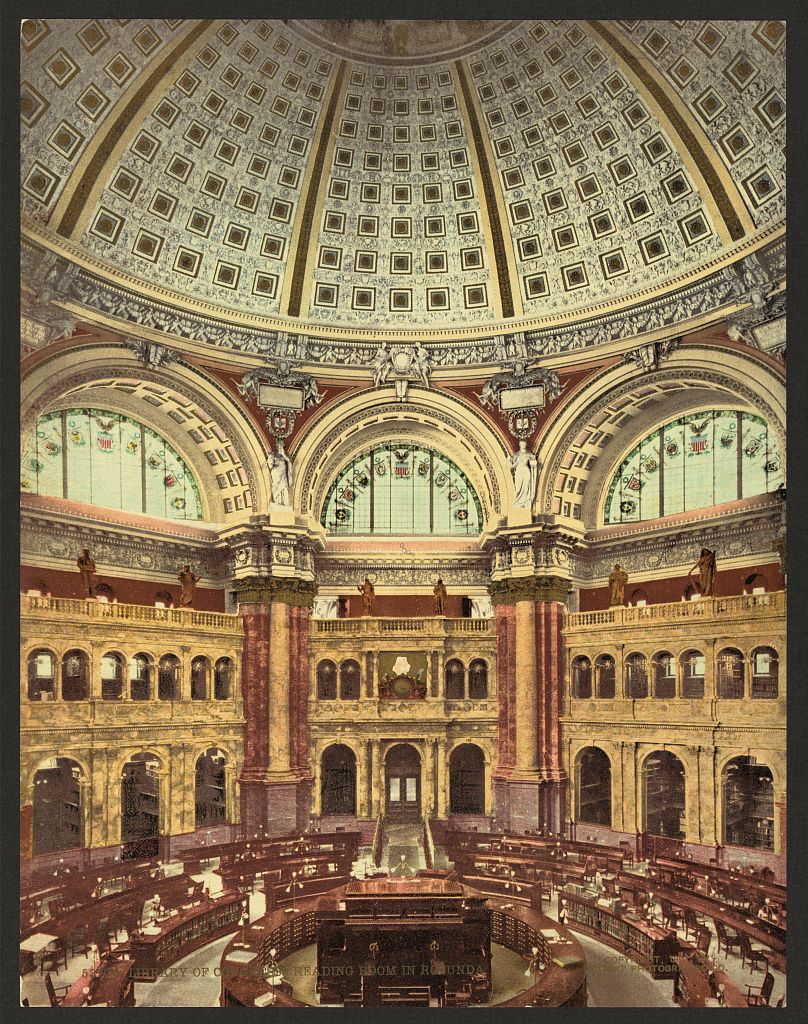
(247, 966)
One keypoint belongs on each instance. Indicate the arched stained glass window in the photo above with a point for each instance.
(105, 458)
(698, 460)
(402, 489)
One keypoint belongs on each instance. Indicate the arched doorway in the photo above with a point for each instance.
(593, 787)
(402, 783)
(209, 798)
(748, 804)
(57, 806)
(140, 806)
(663, 783)
(338, 780)
(467, 780)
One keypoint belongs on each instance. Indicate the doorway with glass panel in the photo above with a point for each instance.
(402, 779)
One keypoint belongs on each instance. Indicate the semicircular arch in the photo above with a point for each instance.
(432, 419)
(172, 400)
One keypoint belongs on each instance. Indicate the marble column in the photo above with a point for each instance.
(255, 686)
(57, 679)
(442, 779)
(184, 693)
(279, 763)
(527, 764)
(429, 778)
(360, 787)
(376, 784)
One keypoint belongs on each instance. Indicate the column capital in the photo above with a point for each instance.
(266, 589)
(529, 588)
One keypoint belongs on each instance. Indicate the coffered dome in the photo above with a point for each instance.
(470, 177)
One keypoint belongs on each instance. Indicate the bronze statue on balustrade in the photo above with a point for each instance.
(707, 570)
(439, 592)
(368, 593)
(188, 581)
(87, 571)
(617, 586)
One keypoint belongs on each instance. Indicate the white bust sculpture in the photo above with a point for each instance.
(525, 469)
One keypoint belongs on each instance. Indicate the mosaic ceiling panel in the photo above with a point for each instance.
(529, 178)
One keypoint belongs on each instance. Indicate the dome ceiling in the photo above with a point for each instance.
(459, 175)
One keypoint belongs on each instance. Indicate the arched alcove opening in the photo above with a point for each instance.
(338, 780)
(467, 780)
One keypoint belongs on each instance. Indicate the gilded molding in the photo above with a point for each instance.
(268, 589)
(529, 588)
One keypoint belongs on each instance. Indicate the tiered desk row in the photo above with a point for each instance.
(601, 898)
(66, 912)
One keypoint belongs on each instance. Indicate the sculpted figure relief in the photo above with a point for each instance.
(419, 363)
(368, 593)
(617, 585)
(188, 581)
(87, 571)
(525, 469)
(382, 365)
(281, 474)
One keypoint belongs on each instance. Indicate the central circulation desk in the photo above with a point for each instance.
(651, 946)
(245, 968)
(191, 928)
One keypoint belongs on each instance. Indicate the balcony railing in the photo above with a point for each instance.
(428, 626)
(770, 604)
(141, 614)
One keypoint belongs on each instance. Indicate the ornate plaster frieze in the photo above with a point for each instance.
(152, 356)
(60, 280)
(460, 572)
(47, 541)
(752, 535)
(649, 357)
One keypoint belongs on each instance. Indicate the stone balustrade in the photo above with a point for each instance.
(88, 609)
(434, 626)
(708, 608)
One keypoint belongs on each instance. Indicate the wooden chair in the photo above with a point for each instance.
(51, 956)
(728, 938)
(54, 991)
(628, 858)
(77, 941)
(102, 939)
(760, 996)
(690, 922)
(704, 940)
(752, 954)
(670, 917)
